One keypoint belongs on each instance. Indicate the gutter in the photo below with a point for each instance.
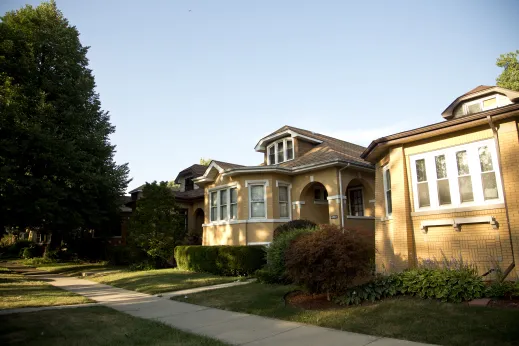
(498, 150)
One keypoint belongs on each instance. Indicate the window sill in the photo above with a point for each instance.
(321, 202)
(360, 217)
(386, 218)
(458, 210)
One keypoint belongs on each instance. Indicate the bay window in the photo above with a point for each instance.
(284, 209)
(214, 206)
(234, 203)
(257, 201)
(280, 151)
(464, 175)
(223, 204)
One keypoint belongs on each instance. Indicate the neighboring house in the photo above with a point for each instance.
(189, 198)
(452, 188)
(305, 175)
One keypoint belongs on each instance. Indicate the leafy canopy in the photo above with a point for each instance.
(157, 225)
(509, 78)
(57, 168)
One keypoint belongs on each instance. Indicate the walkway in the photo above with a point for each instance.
(232, 327)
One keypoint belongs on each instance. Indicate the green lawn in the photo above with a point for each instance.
(91, 326)
(402, 318)
(18, 291)
(145, 281)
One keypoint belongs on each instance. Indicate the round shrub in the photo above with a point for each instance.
(34, 250)
(327, 260)
(291, 225)
(275, 270)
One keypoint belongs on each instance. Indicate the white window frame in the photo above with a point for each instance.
(289, 202)
(249, 184)
(275, 144)
(452, 174)
(231, 204)
(218, 191)
(480, 101)
(386, 189)
(349, 199)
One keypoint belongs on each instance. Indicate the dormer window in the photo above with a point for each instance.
(280, 151)
(480, 105)
(189, 185)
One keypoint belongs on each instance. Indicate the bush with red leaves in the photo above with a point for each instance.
(328, 260)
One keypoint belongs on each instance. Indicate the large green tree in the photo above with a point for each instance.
(157, 225)
(57, 168)
(509, 78)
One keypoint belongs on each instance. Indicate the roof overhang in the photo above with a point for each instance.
(210, 173)
(378, 146)
(448, 113)
(262, 144)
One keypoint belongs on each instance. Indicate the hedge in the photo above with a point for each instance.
(220, 260)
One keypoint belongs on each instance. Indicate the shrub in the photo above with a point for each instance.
(220, 260)
(14, 249)
(504, 289)
(276, 256)
(34, 250)
(292, 225)
(379, 288)
(121, 255)
(327, 260)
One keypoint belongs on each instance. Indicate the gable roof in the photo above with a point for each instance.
(194, 171)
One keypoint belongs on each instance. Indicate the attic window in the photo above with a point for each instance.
(480, 105)
(280, 151)
(189, 185)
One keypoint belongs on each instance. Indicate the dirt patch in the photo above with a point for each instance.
(505, 303)
(309, 302)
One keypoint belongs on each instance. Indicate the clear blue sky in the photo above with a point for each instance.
(189, 79)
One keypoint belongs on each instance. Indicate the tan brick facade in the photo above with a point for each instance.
(399, 240)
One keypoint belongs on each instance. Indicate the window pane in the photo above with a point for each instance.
(283, 209)
(421, 174)
(466, 193)
(283, 194)
(290, 153)
(485, 159)
(257, 193)
(281, 156)
(441, 167)
(462, 162)
(389, 202)
(223, 212)
(223, 197)
(444, 192)
(388, 180)
(234, 211)
(317, 194)
(423, 195)
(490, 103)
(489, 185)
(213, 199)
(356, 203)
(234, 195)
(258, 209)
(213, 213)
(272, 155)
(474, 108)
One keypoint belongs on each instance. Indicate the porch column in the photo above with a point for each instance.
(334, 209)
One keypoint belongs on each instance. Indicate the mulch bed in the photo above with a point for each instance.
(309, 302)
(505, 303)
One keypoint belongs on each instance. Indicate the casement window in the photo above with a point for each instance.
(224, 204)
(284, 210)
(386, 174)
(280, 151)
(356, 201)
(257, 205)
(465, 175)
(234, 203)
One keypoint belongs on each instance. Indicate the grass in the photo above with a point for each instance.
(401, 318)
(160, 280)
(91, 326)
(18, 291)
(145, 281)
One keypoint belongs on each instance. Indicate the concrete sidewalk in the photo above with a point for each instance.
(231, 327)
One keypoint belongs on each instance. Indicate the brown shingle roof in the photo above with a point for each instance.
(477, 89)
(192, 194)
(227, 165)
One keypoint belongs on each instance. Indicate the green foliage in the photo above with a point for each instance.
(156, 226)
(57, 164)
(502, 289)
(327, 260)
(36, 261)
(275, 270)
(291, 225)
(34, 250)
(379, 288)
(14, 249)
(221, 260)
(509, 78)
(205, 162)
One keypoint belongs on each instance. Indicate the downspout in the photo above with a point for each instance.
(498, 150)
(341, 194)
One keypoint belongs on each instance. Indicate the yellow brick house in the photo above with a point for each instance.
(305, 175)
(452, 188)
